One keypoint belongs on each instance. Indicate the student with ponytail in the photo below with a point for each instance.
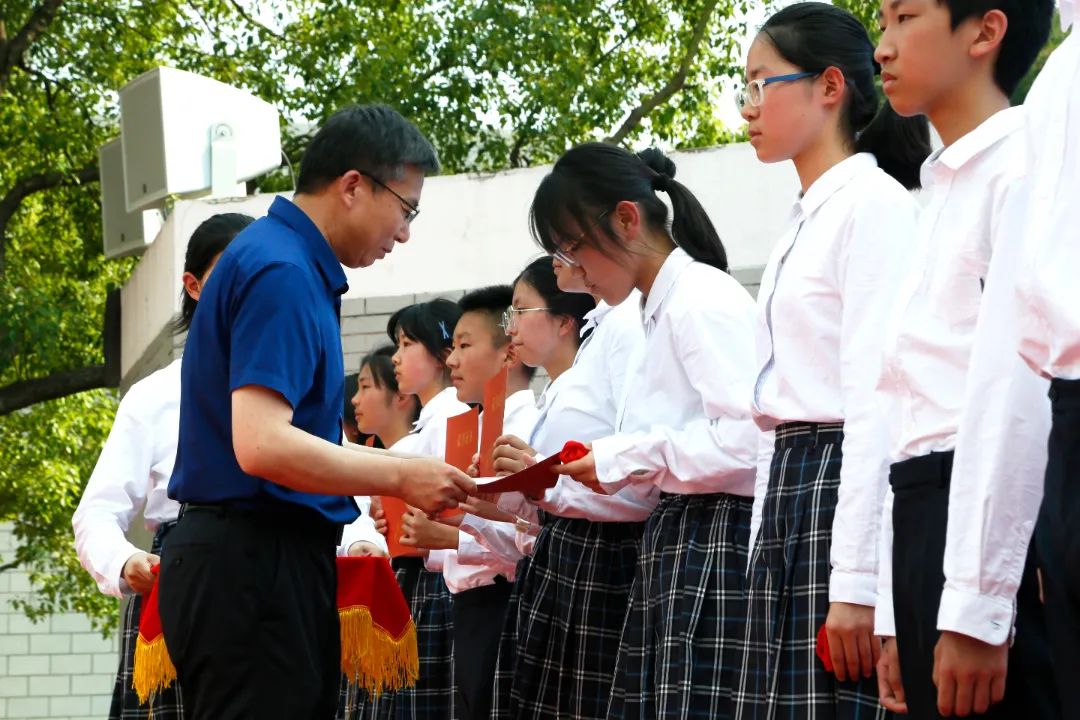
(683, 423)
(825, 294)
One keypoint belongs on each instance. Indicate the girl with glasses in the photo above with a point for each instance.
(823, 304)
(574, 593)
(683, 428)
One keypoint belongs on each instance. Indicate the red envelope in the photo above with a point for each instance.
(534, 480)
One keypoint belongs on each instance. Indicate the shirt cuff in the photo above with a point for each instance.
(854, 588)
(605, 455)
(983, 617)
(470, 551)
(435, 560)
(884, 622)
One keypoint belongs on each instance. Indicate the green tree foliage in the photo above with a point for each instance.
(494, 84)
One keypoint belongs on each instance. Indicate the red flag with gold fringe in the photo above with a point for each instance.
(378, 637)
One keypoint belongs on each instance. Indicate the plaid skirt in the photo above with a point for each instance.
(684, 625)
(432, 698)
(506, 662)
(571, 606)
(168, 703)
(779, 674)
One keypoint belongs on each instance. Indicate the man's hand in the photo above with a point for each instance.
(432, 485)
(137, 573)
(363, 548)
(854, 648)
(582, 471)
(512, 455)
(969, 674)
(420, 532)
(890, 686)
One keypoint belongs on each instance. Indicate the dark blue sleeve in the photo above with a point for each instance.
(274, 337)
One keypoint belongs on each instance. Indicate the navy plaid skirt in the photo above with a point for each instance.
(779, 675)
(507, 658)
(431, 605)
(684, 624)
(572, 602)
(167, 704)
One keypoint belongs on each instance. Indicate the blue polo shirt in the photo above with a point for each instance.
(269, 315)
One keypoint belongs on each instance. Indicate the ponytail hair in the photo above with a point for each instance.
(589, 180)
(815, 36)
(207, 242)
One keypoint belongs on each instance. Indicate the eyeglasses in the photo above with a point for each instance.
(509, 316)
(410, 210)
(565, 253)
(754, 92)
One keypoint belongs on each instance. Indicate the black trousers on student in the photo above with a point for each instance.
(248, 609)
(920, 517)
(1058, 537)
(478, 622)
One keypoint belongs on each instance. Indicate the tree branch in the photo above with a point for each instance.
(252, 21)
(60, 384)
(36, 183)
(13, 50)
(674, 84)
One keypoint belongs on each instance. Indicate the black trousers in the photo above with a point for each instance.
(478, 622)
(1058, 537)
(248, 608)
(920, 518)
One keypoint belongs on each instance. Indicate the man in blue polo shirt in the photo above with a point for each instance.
(248, 580)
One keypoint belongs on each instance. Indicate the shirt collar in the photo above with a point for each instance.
(952, 159)
(316, 245)
(436, 405)
(676, 262)
(833, 180)
(595, 316)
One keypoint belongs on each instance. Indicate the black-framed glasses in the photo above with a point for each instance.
(565, 253)
(754, 92)
(410, 210)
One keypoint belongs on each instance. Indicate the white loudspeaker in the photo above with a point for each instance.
(169, 121)
(125, 233)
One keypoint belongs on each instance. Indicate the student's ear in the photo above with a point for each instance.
(402, 401)
(833, 84)
(990, 34)
(192, 286)
(510, 356)
(625, 220)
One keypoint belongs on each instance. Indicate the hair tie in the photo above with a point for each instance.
(445, 332)
(661, 182)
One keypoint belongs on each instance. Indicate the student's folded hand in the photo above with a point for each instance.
(969, 674)
(137, 572)
(432, 485)
(853, 646)
(582, 471)
(379, 516)
(512, 455)
(417, 530)
(890, 686)
(484, 508)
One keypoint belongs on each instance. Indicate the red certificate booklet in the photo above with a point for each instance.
(461, 438)
(394, 508)
(534, 480)
(494, 409)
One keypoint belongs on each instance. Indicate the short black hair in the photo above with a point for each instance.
(1029, 29)
(372, 139)
(429, 323)
(492, 301)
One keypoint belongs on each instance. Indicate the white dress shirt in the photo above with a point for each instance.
(599, 376)
(926, 381)
(825, 294)
(994, 501)
(684, 423)
(132, 474)
(1048, 291)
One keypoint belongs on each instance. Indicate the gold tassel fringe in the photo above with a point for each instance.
(154, 670)
(374, 660)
